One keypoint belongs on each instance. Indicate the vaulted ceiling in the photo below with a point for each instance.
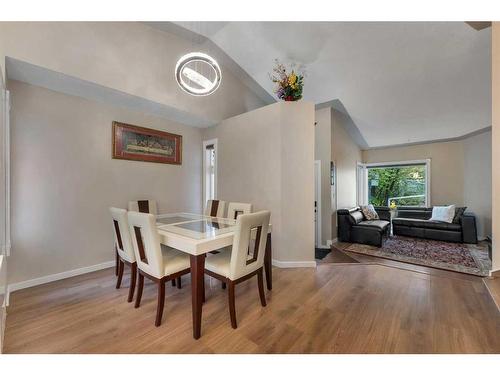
(400, 82)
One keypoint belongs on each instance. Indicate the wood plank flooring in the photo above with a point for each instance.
(335, 308)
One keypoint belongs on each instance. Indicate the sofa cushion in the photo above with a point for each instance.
(376, 224)
(369, 212)
(414, 213)
(357, 216)
(459, 212)
(418, 223)
(443, 213)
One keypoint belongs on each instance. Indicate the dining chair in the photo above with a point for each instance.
(233, 267)
(157, 263)
(234, 209)
(124, 250)
(145, 206)
(215, 208)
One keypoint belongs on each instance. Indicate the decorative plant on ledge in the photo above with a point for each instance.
(288, 86)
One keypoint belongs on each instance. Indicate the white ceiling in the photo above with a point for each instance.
(401, 82)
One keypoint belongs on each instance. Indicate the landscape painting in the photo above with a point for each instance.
(142, 144)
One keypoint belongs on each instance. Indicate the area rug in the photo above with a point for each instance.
(465, 258)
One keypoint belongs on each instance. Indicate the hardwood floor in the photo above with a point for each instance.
(493, 286)
(335, 308)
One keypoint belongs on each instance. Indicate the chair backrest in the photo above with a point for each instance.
(123, 241)
(144, 206)
(146, 243)
(249, 226)
(234, 209)
(215, 208)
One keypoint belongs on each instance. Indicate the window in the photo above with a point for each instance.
(209, 169)
(404, 183)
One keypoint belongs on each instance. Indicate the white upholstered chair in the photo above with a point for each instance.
(237, 265)
(234, 209)
(145, 206)
(215, 208)
(154, 262)
(123, 247)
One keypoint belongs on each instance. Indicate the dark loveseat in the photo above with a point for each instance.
(352, 226)
(414, 222)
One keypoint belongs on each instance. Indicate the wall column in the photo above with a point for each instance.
(495, 138)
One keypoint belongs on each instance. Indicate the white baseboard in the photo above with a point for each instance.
(58, 276)
(322, 247)
(329, 243)
(495, 273)
(291, 264)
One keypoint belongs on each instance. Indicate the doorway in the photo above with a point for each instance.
(317, 203)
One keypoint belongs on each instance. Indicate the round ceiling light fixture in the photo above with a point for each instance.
(198, 74)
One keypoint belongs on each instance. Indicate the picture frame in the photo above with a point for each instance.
(132, 142)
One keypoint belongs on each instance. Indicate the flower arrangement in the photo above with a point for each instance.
(289, 86)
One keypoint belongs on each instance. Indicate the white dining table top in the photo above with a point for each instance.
(195, 234)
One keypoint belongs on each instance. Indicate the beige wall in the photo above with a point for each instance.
(346, 154)
(266, 157)
(495, 38)
(130, 57)
(323, 152)
(447, 167)
(477, 180)
(64, 180)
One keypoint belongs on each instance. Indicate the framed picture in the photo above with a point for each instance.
(132, 142)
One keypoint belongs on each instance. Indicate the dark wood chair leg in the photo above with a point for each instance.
(268, 263)
(173, 282)
(116, 261)
(120, 274)
(161, 302)
(260, 281)
(223, 285)
(140, 286)
(179, 284)
(133, 276)
(232, 307)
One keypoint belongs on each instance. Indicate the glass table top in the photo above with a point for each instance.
(195, 226)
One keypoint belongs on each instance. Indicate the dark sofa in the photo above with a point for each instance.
(414, 222)
(352, 226)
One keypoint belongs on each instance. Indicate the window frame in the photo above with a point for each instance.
(362, 177)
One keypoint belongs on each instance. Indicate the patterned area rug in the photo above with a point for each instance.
(465, 258)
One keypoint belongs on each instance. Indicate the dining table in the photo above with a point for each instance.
(198, 235)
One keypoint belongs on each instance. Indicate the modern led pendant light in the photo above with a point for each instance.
(198, 74)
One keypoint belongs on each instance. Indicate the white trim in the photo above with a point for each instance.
(291, 264)
(495, 273)
(329, 243)
(59, 276)
(322, 246)
(205, 144)
(317, 187)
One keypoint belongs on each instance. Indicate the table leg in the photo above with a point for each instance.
(268, 267)
(197, 274)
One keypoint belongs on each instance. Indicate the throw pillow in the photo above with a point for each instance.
(459, 212)
(369, 212)
(443, 213)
